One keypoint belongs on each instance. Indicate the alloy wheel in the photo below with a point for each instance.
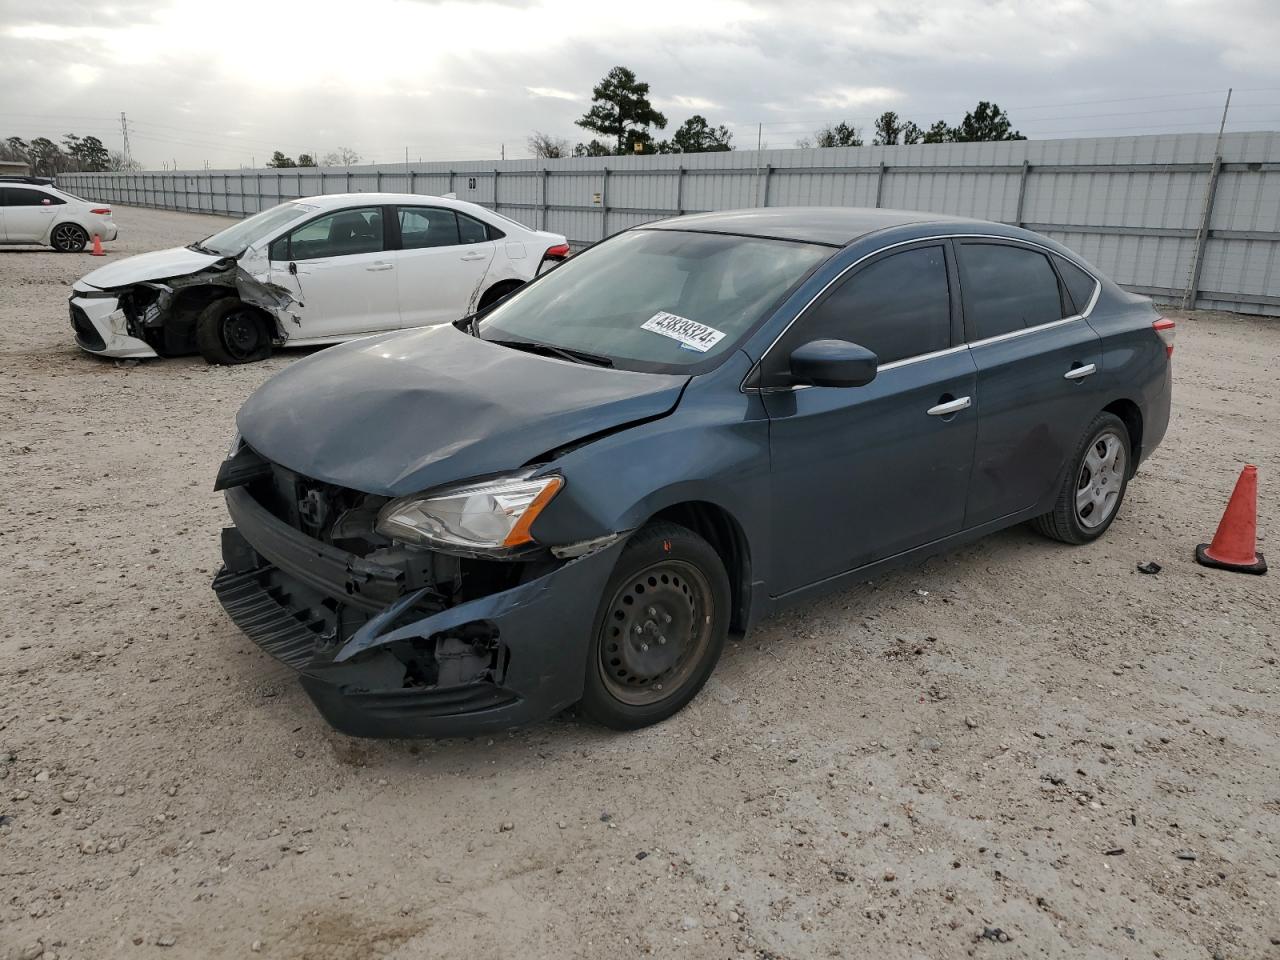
(67, 238)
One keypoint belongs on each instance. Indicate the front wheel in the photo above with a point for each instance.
(1093, 484)
(228, 331)
(659, 630)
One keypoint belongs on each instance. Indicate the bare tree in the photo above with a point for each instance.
(544, 146)
(342, 157)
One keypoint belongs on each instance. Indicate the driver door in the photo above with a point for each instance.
(338, 269)
(860, 474)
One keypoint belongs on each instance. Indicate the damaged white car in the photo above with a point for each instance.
(309, 272)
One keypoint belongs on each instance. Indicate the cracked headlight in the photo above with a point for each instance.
(491, 516)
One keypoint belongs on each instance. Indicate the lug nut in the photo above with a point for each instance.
(662, 639)
(644, 647)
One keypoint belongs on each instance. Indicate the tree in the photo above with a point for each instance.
(306, 160)
(888, 129)
(984, 123)
(593, 149)
(119, 162)
(86, 153)
(44, 156)
(697, 136)
(938, 133)
(278, 159)
(839, 135)
(15, 148)
(911, 133)
(544, 146)
(342, 157)
(621, 111)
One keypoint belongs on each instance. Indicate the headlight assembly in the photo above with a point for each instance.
(488, 517)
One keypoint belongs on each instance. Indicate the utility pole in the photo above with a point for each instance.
(124, 137)
(1202, 234)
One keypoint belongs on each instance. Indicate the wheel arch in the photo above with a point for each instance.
(497, 291)
(1131, 415)
(722, 530)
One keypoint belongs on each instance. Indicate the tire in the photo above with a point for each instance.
(229, 332)
(1093, 485)
(68, 238)
(667, 580)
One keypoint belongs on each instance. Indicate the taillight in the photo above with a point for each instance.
(101, 211)
(559, 252)
(1165, 329)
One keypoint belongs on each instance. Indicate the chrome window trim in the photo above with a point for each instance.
(1097, 292)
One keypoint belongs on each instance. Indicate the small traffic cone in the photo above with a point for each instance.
(97, 247)
(1234, 546)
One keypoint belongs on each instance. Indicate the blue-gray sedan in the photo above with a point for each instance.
(575, 496)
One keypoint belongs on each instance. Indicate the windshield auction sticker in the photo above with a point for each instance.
(694, 335)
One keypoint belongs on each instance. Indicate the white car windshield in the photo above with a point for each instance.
(657, 300)
(234, 240)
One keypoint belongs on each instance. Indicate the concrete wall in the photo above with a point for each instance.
(1133, 206)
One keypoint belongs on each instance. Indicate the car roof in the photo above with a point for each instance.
(834, 226)
(333, 201)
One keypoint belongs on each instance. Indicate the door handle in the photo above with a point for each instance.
(1079, 373)
(950, 407)
(473, 256)
(379, 266)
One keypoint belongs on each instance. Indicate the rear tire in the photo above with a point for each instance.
(1092, 485)
(659, 629)
(68, 238)
(229, 332)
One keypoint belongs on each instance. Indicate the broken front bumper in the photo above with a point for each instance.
(101, 328)
(380, 661)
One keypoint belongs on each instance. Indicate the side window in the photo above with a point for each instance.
(340, 234)
(427, 227)
(20, 197)
(472, 230)
(1007, 288)
(1080, 285)
(897, 307)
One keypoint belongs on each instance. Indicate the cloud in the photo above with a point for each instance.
(849, 97)
(551, 93)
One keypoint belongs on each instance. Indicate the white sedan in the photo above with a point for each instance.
(313, 271)
(33, 210)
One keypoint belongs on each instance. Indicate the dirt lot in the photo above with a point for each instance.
(1020, 749)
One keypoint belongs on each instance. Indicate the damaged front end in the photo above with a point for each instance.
(153, 318)
(399, 641)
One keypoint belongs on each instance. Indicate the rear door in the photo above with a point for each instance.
(441, 265)
(338, 268)
(1036, 357)
(863, 473)
(28, 213)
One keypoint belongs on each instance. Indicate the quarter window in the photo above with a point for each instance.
(1007, 288)
(1080, 285)
(472, 230)
(897, 307)
(341, 234)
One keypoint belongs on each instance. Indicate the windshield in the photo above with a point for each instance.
(655, 299)
(234, 240)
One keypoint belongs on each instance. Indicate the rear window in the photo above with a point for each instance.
(1006, 288)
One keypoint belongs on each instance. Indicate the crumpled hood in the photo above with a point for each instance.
(404, 412)
(156, 265)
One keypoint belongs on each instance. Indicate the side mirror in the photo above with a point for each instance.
(833, 363)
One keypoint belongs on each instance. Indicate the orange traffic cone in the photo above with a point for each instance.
(1234, 546)
(97, 247)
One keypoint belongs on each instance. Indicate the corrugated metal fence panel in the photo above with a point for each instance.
(1132, 206)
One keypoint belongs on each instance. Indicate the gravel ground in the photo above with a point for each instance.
(1018, 749)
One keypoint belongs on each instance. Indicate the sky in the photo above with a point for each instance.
(224, 84)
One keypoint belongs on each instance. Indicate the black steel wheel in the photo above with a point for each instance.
(230, 332)
(660, 629)
(68, 238)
